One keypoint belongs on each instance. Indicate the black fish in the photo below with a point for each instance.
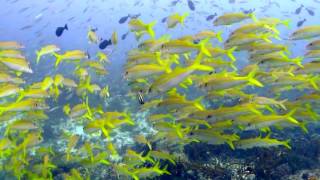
(298, 10)
(124, 36)
(103, 44)
(140, 98)
(164, 19)
(210, 17)
(191, 5)
(123, 19)
(311, 13)
(60, 30)
(300, 23)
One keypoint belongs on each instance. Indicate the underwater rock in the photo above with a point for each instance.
(281, 171)
(311, 174)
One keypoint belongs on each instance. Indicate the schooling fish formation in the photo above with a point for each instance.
(183, 85)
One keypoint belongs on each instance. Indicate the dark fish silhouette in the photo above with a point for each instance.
(311, 13)
(123, 19)
(210, 17)
(164, 19)
(26, 27)
(135, 16)
(300, 23)
(85, 10)
(173, 3)
(249, 11)
(89, 57)
(23, 9)
(42, 10)
(298, 10)
(124, 36)
(232, 1)
(60, 30)
(191, 5)
(72, 18)
(103, 44)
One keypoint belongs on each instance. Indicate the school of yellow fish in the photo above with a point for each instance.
(184, 84)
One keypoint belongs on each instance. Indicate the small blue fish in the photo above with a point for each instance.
(298, 10)
(164, 19)
(311, 13)
(123, 19)
(210, 17)
(191, 5)
(124, 36)
(300, 23)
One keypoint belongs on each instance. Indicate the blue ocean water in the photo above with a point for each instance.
(33, 24)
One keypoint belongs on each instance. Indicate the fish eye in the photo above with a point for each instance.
(249, 124)
(209, 116)
(191, 133)
(36, 104)
(126, 73)
(311, 44)
(205, 84)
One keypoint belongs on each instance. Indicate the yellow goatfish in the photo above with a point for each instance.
(306, 32)
(70, 55)
(48, 49)
(231, 18)
(17, 64)
(174, 19)
(10, 45)
(260, 142)
(137, 25)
